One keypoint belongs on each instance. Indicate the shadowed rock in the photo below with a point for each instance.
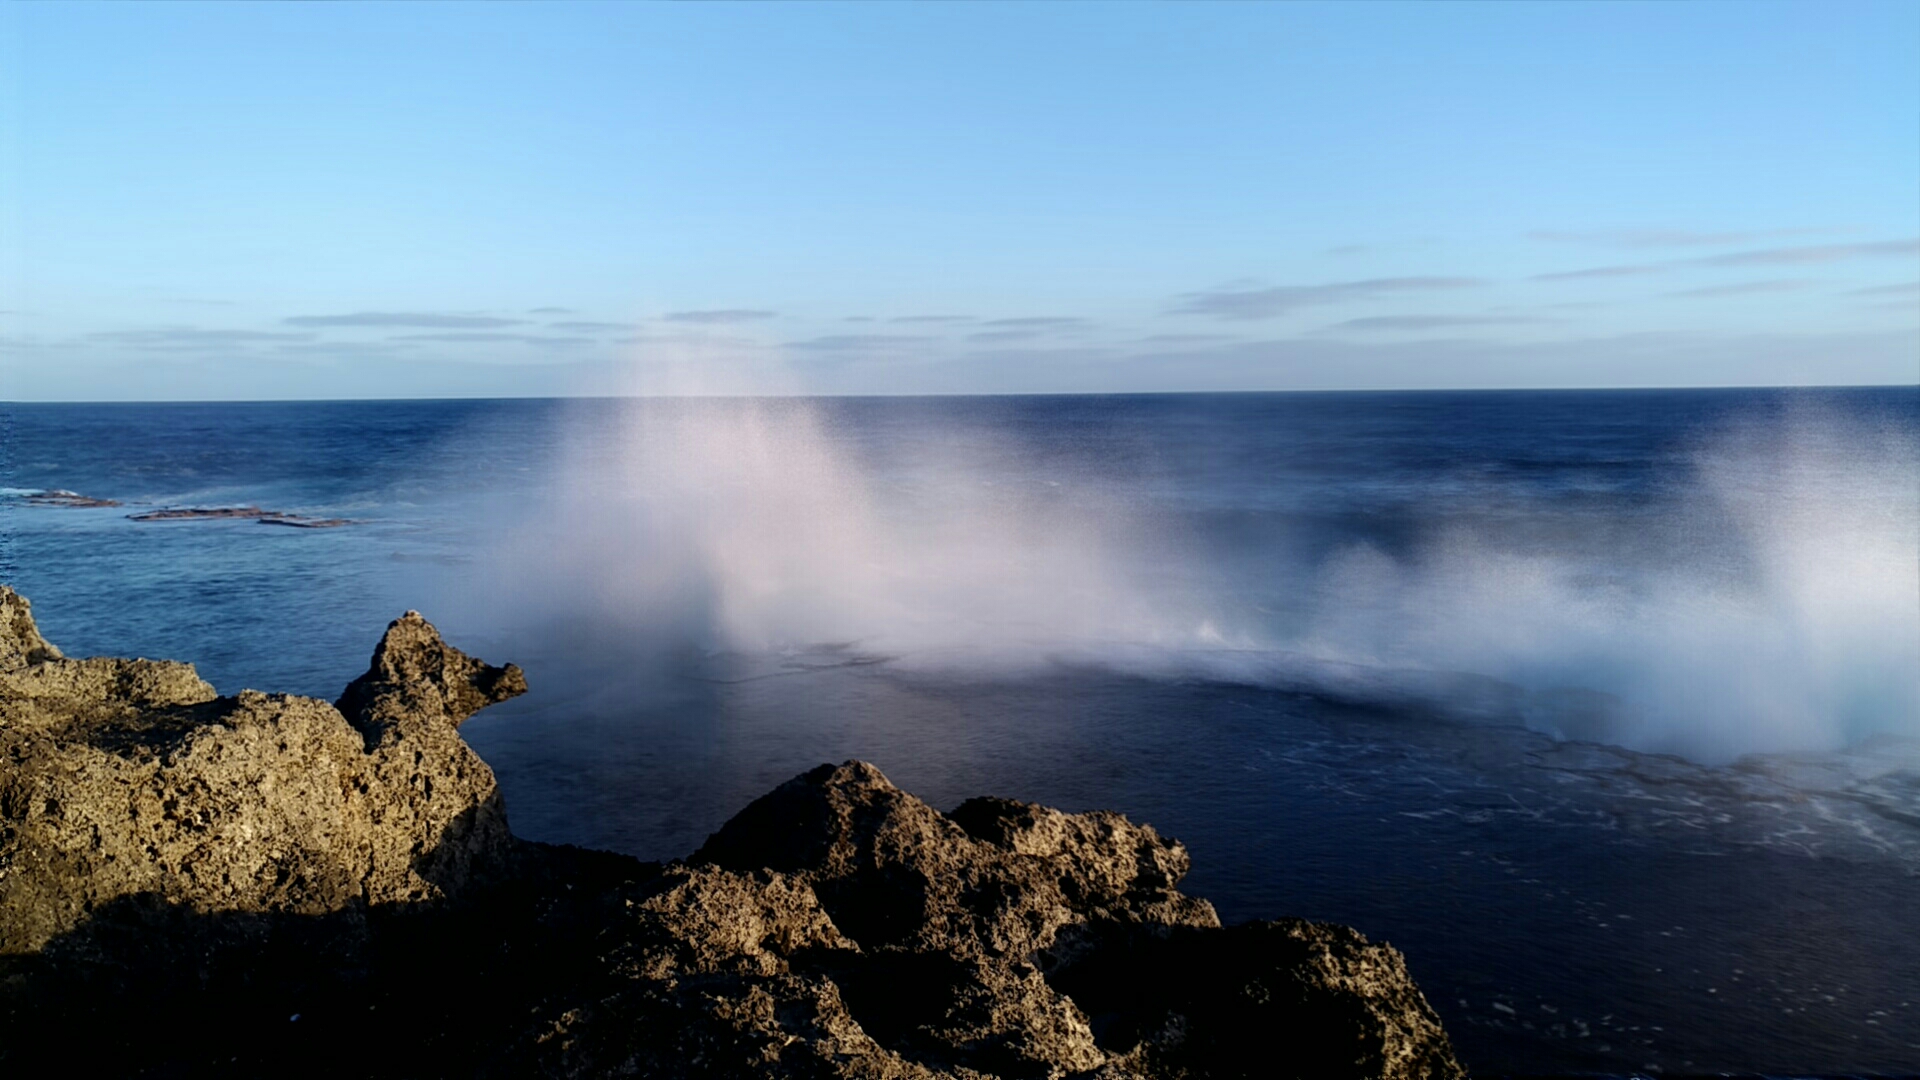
(286, 866)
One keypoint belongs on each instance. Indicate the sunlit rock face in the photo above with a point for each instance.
(839, 926)
(132, 778)
(168, 854)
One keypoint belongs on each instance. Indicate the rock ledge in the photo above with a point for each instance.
(192, 884)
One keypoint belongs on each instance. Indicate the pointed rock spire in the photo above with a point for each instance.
(20, 640)
(415, 676)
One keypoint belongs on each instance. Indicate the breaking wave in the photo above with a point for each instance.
(1767, 600)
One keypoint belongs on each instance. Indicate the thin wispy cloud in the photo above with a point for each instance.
(345, 349)
(550, 311)
(1003, 336)
(590, 327)
(1038, 359)
(1815, 253)
(191, 337)
(1909, 288)
(1745, 288)
(721, 315)
(692, 340)
(1600, 272)
(484, 336)
(1799, 255)
(930, 319)
(1656, 238)
(1039, 322)
(852, 342)
(1282, 299)
(1405, 323)
(423, 320)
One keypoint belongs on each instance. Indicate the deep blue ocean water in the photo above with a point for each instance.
(1602, 706)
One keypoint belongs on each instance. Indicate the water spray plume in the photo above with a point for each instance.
(1771, 602)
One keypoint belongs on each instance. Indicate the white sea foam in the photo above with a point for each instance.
(746, 526)
(1783, 614)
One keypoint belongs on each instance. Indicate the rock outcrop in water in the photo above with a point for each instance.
(193, 884)
(71, 500)
(228, 513)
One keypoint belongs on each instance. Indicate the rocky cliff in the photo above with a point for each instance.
(192, 884)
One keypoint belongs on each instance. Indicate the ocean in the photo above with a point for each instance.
(1602, 706)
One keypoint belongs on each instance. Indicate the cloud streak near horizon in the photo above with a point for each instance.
(1280, 300)
(721, 315)
(482, 336)
(1648, 238)
(1745, 288)
(405, 319)
(859, 342)
(1399, 323)
(1802, 255)
(191, 337)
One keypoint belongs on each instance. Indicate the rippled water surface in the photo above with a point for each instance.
(1602, 707)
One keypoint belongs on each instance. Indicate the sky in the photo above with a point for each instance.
(248, 201)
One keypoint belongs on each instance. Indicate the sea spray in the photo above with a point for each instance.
(1775, 605)
(753, 525)
(1758, 593)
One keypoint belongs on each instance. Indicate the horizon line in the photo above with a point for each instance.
(4, 403)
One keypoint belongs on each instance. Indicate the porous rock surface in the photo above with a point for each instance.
(167, 855)
(839, 926)
(131, 777)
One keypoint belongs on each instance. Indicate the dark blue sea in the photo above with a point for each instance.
(1604, 707)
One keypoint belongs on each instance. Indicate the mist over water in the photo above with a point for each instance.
(752, 527)
(1774, 605)
(1758, 592)
(1229, 615)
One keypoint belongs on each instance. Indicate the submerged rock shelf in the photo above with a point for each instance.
(219, 513)
(71, 500)
(203, 885)
(60, 498)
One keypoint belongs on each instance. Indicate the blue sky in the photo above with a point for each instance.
(372, 200)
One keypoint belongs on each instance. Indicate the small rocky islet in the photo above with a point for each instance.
(70, 500)
(220, 513)
(60, 498)
(197, 885)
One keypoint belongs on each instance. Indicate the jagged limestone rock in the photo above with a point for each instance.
(20, 640)
(168, 855)
(845, 928)
(131, 777)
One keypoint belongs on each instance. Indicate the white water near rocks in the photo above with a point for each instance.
(1405, 662)
(1774, 605)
